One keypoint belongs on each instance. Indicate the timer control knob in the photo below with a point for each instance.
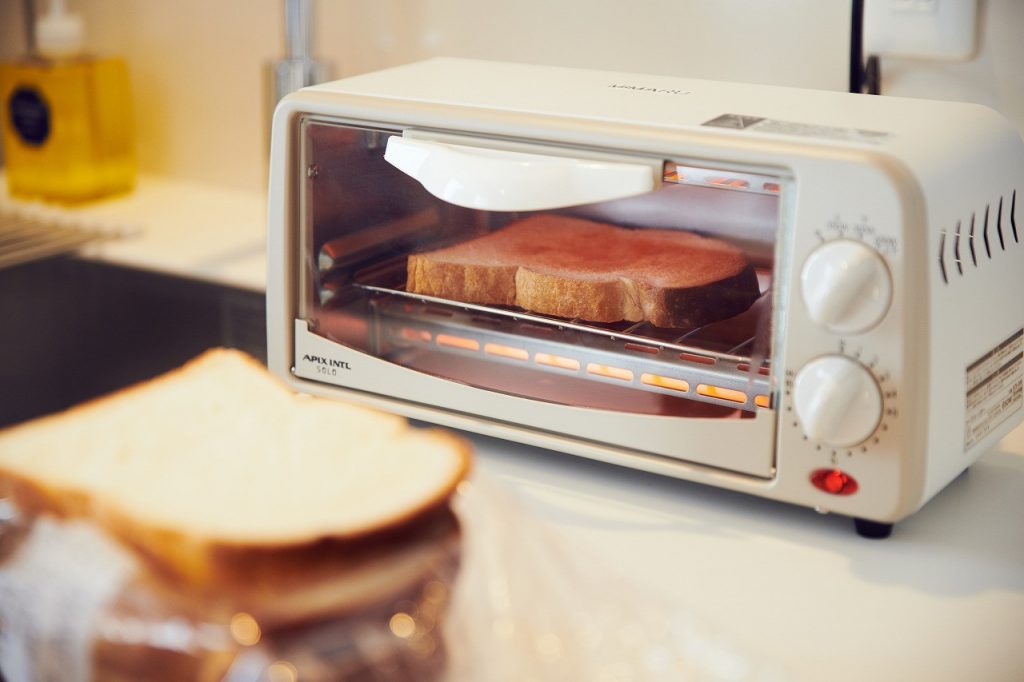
(837, 400)
(846, 286)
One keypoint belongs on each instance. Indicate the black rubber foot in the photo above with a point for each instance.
(872, 529)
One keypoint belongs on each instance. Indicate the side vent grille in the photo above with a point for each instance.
(953, 260)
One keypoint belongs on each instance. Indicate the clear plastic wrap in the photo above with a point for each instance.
(531, 605)
(497, 596)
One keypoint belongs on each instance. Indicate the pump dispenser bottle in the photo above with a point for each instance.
(67, 117)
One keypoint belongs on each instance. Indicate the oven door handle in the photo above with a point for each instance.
(499, 180)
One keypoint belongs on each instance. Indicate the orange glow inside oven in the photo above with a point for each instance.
(745, 367)
(457, 342)
(665, 382)
(506, 351)
(762, 401)
(609, 371)
(729, 182)
(693, 357)
(415, 334)
(730, 394)
(651, 350)
(556, 361)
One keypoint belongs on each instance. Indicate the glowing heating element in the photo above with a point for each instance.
(665, 382)
(730, 394)
(609, 371)
(729, 182)
(700, 359)
(672, 174)
(762, 401)
(416, 334)
(558, 361)
(457, 342)
(506, 351)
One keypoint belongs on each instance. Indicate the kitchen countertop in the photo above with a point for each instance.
(174, 227)
(942, 599)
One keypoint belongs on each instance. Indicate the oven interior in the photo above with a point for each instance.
(361, 218)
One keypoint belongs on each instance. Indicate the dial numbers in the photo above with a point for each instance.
(846, 286)
(837, 401)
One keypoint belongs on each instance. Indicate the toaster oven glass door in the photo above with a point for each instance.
(646, 288)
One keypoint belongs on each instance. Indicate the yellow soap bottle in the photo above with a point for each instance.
(67, 118)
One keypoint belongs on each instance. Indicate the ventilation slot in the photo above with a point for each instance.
(970, 241)
(999, 225)
(984, 233)
(958, 253)
(1013, 216)
(942, 260)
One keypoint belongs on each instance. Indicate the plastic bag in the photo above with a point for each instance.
(504, 598)
(530, 605)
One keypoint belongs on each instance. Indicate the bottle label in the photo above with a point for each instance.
(30, 115)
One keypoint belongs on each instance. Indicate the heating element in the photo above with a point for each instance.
(624, 355)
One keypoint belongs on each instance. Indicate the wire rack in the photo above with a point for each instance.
(637, 355)
(28, 235)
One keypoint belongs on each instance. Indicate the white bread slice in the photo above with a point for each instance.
(218, 456)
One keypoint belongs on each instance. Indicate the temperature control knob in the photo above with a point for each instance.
(837, 400)
(846, 286)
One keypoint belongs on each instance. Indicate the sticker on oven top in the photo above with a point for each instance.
(770, 125)
(995, 388)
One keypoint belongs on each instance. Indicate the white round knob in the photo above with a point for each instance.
(846, 286)
(837, 400)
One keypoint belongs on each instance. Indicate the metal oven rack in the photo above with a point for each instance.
(615, 354)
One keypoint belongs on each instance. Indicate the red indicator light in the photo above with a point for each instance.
(834, 481)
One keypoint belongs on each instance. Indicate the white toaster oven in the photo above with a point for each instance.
(874, 353)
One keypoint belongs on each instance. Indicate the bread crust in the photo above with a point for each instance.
(696, 306)
(199, 559)
(203, 560)
(494, 285)
(504, 268)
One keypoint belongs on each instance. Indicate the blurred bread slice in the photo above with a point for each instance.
(217, 460)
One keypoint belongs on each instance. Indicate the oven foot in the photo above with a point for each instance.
(872, 529)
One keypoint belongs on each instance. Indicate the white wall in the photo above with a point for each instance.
(796, 42)
(199, 66)
(993, 77)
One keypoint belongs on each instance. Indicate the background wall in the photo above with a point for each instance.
(199, 67)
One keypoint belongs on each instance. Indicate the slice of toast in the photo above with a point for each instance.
(575, 268)
(218, 459)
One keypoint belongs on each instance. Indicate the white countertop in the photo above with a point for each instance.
(942, 599)
(175, 227)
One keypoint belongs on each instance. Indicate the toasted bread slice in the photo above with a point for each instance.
(575, 268)
(218, 457)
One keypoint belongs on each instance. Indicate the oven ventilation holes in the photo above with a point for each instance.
(976, 240)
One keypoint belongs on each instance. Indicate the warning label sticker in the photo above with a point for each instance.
(770, 125)
(995, 388)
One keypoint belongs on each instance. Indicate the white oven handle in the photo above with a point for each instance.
(498, 180)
